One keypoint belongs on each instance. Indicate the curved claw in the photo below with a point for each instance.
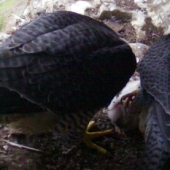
(92, 135)
(127, 99)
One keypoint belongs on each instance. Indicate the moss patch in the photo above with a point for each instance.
(5, 6)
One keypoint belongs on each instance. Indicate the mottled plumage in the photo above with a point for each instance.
(155, 81)
(68, 64)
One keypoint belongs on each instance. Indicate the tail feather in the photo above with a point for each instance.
(11, 102)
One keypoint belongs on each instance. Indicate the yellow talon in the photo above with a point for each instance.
(92, 135)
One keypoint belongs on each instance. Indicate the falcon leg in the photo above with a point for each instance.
(92, 135)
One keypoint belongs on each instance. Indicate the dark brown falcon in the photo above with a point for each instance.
(152, 104)
(155, 81)
(69, 64)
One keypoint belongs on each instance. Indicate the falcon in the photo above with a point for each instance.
(155, 80)
(68, 64)
(152, 104)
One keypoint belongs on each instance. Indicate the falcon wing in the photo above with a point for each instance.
(155, 77)
(60, 59)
